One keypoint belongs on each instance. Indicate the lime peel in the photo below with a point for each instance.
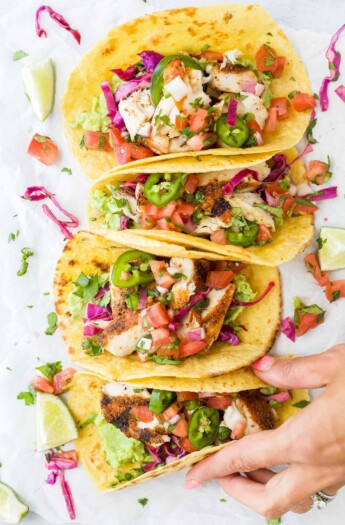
(332, 252)
(54, 422)
(12, 509)
(39, 82)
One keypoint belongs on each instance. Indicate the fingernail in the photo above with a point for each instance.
(191, 484)
(264, 364)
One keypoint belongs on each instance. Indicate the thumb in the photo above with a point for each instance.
(301, 372)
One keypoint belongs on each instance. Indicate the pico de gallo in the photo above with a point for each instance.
(183, 102)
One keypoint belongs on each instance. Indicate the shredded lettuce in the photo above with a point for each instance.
(243, 292)
(96, 118)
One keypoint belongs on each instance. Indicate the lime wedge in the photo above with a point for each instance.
(12, 509)
(55, 425)
(39, 81)
(332, 253)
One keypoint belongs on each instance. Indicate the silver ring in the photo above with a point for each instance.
(320, 500)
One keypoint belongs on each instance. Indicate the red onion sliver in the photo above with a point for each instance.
(334, 60)
(322, 195)
(66, 491)
(196, 335)
(109, 99)
(123, 222)
(231, 116)
(307, 149)
(287, 327)
(229, 187)
(251, 303)
(57, 18)
(142, 298)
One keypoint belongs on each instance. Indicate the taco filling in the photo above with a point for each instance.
(188, 102)
(164, 310)
(152, 428)
(235, 207)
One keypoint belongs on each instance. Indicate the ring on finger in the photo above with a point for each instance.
(320, 500)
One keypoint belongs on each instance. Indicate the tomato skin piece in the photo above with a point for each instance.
(181, 428)
(212, 56)
(186, 396)
(177, 219)
(41, 384)
(62, 380)
(307, 322)
(272, 120)
(187, 445)
(317, 172)
(312, 266)
(146, 222)
(158, 268)
(299, 209)
(46, 152)
(162, 224)
(266, 54)
(198, 120)
(303, 101)
(282, 106)
(167, 211)
(92, 140)
(197, 142)
(127, 151)
(219, 237)
(160, 336)
(264, 234)
(219, 402)
(186, 209)
(280, 67)
(191, 348)
(143, 413)
(172, 411)
(158, 316)
(192, 182)
(219, 279)
(335, 286)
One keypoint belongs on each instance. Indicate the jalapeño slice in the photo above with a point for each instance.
(233, 136)
(161, 400)
(245, 237)
(203, 427)
(132, 268)
(160, 189)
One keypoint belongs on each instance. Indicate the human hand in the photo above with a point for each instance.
(312, 443)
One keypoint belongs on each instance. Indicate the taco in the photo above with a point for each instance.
(157, 309)
(253, 213)
(129, 434)
(187, 82)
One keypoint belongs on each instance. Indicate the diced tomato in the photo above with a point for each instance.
(212, 56)
(62, 380)
(41, 384)
(187, 445)
(160, 336)
(167, 211)
(185, 209)
(219, 237)
(43, 149)
(172, 411)
(318, 172)
(252, 124)
(219, 279)
(151, 210)
(290, 204)
(303, 101)
(177, 219)
(273, 188)
(128, 151)
(335, 290)
(162, 277)
(146, 222)
(239, 430)
(307, 322)
(199, 120)
(280, 67)
(272, 120)
(162, 224)
(266, 59)
(192, 183)
(190, 348)
(97, 140)
(181, 428)
(219, 402)
(264, 234)
(180, 122)
(202, 140)
(143, 413)
(169, 348)
(186, 396)
(312, 265)
(282, 106)
(158, 315)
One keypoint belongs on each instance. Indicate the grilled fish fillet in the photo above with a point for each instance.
(230, 78)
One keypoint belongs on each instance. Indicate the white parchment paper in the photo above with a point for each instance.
(23, 341)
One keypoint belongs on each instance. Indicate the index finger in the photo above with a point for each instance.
(265, 449)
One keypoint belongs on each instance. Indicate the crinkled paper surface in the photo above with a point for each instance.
(309, 24)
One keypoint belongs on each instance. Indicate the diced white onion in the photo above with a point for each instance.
(162, 290)
(177, 88)
(144, 343)
(174, 419)
(303, 189)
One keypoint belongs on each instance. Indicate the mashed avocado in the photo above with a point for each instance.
(110, 207)
(119, 448)
(244, 292)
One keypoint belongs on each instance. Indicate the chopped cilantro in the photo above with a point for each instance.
(13, 236)
(26, 253)
(320, 242)
(301, 404)
(198, 103)
(202, 304)
(18, 55)
(223, 500)
(205, 47)
(143, 501)
(29, 306)
(101, 141)
(309, 131)
(41, 138)
(92, 347)
(160, 360)
(66, 170)
(88, 421)
(275, 404)
(50, 369)
(28, 397)
(82, 144)
(52, 323)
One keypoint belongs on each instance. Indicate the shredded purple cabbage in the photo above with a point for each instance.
(192, 302)
(307, 149)
(229, 187)
(227, 335)
(124, 90)
(287, 327)
(67, 494)
(109, 99)
(126, 74)
(322, 195)
(278, 168)
(129, 186)
(51, 479)
(142, 178)
(334, 60)
(150, 59)
(57, 18)
(251, 303)
(95, 312)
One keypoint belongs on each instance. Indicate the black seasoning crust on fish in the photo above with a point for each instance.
(117, 412)
(211, 193)
(220, 206)
(255, 408)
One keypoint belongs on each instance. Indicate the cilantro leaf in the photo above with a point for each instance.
(52, 323)
(50, 369)
(301, 404)
(18, 55)
(92, 347)
(143, 501)
(88, 421)
(66, 170)
(26, 253)
(28, 398)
